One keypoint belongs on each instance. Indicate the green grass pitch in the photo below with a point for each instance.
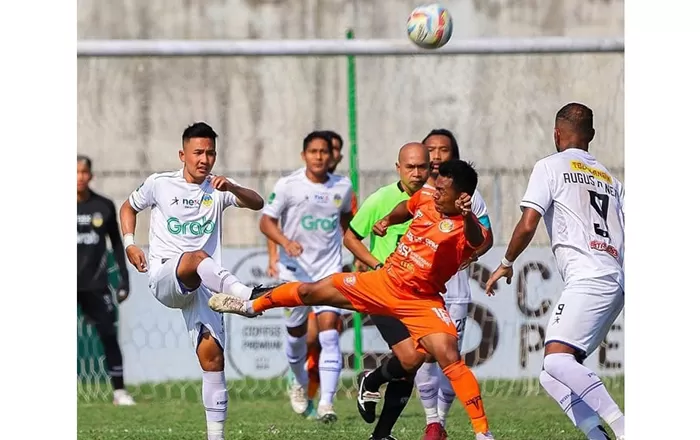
(516, 412)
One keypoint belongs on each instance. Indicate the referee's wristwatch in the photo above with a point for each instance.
(378, 266)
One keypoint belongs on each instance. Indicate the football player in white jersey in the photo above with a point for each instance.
(184, 257)
(306, 215)
(583, 209)
(434, 389)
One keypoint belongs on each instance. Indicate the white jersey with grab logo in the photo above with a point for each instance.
(185, 217)
(309, 213)
(583, 209)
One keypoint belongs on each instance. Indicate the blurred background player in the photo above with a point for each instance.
(184, 256)
(413, 167)
(577, 192)
(305, 215)
(97, 219)
(436, 393)
(313, 346)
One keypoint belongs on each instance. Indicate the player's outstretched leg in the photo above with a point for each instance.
(214, 393)
(427, 384)
(561, 364)
(320, 293)
(331, 360)
(581, 415)
(443, 347)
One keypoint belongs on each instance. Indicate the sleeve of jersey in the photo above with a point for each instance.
(365, 217)
(538, 195)
(276, 202)
(347, 207)
(229, 198)
(144, 196)
(479, 209)
(414, 202)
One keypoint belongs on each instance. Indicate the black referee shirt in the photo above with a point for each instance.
(97, 219)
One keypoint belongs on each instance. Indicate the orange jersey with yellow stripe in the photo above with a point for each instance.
(432, 249)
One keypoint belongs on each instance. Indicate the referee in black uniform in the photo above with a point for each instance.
(97, 219)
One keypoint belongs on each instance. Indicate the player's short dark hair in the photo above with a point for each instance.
(333, 135)
(464, 176)
(199, 130)
(448, 134)
(317, 135)
(86, 160)
(579, 117)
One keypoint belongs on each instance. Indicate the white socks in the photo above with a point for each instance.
(427, 386)
(587, 386)
(330, 364)
(219, 280)
(296, 356)
(581, 415)
(215, 399)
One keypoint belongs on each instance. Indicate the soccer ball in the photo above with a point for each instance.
(430, 26)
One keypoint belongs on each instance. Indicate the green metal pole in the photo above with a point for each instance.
(354, 178)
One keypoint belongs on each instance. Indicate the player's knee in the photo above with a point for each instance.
(329, 339)
(305, 292)
(411, 362)
(210, 354)
(298, 331)
(556, 364)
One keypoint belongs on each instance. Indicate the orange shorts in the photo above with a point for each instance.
(375, 293)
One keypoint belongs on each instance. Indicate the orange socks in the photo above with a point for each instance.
(312, 361)
(467, 390)
(286, 295)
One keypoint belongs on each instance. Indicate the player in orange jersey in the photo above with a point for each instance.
(443, 236)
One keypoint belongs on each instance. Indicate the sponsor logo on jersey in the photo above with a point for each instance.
(271, 198)
(207, 201)
(311, 223)
(607, 248)
(322, 198)
(446, 226)
(195, 228)
(84, 219)
(337, 200)
(97, 220)
(582, 167)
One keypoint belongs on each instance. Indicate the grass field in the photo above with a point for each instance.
(514, 413)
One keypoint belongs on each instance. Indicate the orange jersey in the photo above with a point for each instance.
(353, 203)
(432, 250)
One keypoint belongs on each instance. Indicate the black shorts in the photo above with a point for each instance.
(98, 307)
(392, 330)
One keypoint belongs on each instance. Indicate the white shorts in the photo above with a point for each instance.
(458, 289)
(458, 312)
(297, 316)
(585, 312)
(199, 318)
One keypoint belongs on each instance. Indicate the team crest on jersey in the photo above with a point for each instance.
(350, 280)
(446, 225)
(338, 200)
(207, 201)
(97, 220)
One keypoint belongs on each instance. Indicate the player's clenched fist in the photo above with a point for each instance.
(379, 228)
(137, 258)
(220, 183)
(293, 249)
(464, 204)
